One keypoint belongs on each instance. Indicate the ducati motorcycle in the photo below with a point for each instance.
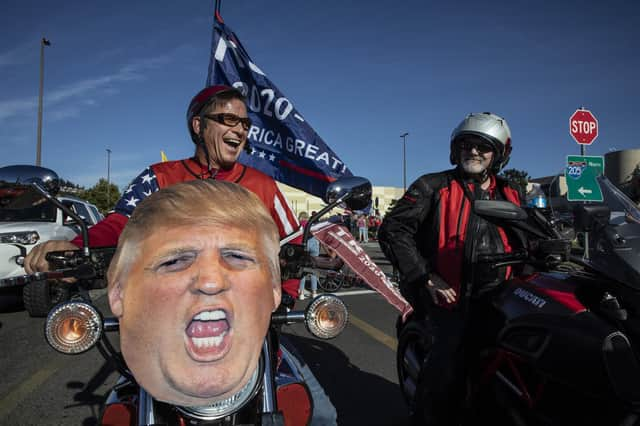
(567, 348)
(277, 393)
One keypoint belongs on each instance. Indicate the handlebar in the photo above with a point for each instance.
(68, 264)
(541, 253)
(112, 324)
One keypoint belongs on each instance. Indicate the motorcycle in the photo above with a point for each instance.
(567, 350)
(332, 274)
(277, 393)
(330, 280)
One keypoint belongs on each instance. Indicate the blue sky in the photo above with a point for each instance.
(119, 75)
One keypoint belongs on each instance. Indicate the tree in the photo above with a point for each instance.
(103, 195)
(69, 188)
(519, 178)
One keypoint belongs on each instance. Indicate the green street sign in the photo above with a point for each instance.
(580, 174)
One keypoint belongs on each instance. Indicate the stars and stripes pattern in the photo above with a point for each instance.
(140, 188)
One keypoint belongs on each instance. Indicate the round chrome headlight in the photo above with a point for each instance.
(326, 316)
(73, 328)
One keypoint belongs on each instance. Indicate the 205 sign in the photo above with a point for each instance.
(575, 169)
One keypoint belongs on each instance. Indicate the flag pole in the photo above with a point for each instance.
(217, 11)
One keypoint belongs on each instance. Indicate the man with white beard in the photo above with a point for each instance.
(432, 236)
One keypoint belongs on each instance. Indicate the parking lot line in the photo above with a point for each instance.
(376, 334)
(17, 394)
(353, 292)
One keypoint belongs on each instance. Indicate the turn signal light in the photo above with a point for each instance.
(326, 316)
(73, 328)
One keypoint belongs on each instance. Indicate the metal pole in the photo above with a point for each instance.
(404, 161)
(108, 177)
(44, 42)
(583, 152)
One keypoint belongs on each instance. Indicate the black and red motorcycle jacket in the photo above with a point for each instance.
(432, 229)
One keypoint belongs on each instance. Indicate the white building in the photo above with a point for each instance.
(303, 202)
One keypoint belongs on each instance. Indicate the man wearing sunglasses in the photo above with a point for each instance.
(218, 125)
(432, 236)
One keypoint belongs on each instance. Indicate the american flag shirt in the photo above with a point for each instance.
(161, 175)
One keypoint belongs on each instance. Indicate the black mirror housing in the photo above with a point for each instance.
(25, 175)
(497, 209)
(359, 189)
(589, 217)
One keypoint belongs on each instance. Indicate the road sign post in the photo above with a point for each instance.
(581, 177)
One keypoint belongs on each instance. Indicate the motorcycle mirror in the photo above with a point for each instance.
(24, 175)
(356, 189)
(589, 217)
(17, 189)
(326, 316)
(24, 186)
(505, 210)
(73, 327)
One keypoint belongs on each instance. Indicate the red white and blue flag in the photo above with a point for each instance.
(283, 143)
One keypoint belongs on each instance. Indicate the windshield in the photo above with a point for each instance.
(45, 212)
(611, 250)
(622, 208)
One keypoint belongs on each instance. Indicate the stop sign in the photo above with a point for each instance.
(583, 127)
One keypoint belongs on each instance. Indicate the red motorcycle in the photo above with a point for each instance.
(567, 352)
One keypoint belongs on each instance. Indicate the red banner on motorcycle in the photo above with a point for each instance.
(340, 239)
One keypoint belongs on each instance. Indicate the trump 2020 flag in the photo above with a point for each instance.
(283, 144)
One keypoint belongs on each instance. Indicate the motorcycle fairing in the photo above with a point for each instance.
(615, 250)
(539, 293)
(556, 338)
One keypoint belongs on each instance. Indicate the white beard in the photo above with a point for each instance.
(474, 167)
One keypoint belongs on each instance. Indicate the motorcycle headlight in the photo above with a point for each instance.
(28, 237)
(73, 327)
(326, 316)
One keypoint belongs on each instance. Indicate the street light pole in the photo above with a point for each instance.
(44, 42)
(404, 161)
(108, 178)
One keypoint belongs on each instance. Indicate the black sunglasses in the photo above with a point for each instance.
(230, 120)
(481, 147)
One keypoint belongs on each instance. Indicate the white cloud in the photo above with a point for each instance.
(62, 113)
(16, 107)
(129, 72)
(17, 56)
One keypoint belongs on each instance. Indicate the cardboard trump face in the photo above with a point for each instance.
(193, 283)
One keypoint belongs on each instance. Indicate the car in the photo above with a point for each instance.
(21, 230)
(87, 211)
(23, 225)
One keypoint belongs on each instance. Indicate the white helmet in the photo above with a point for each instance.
(491, 128)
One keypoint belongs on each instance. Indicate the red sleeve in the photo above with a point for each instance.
(104, 233)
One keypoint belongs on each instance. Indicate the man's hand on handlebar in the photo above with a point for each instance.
(440, 291)
(36, 260)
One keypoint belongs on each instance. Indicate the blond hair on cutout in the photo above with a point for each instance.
(196, 203)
